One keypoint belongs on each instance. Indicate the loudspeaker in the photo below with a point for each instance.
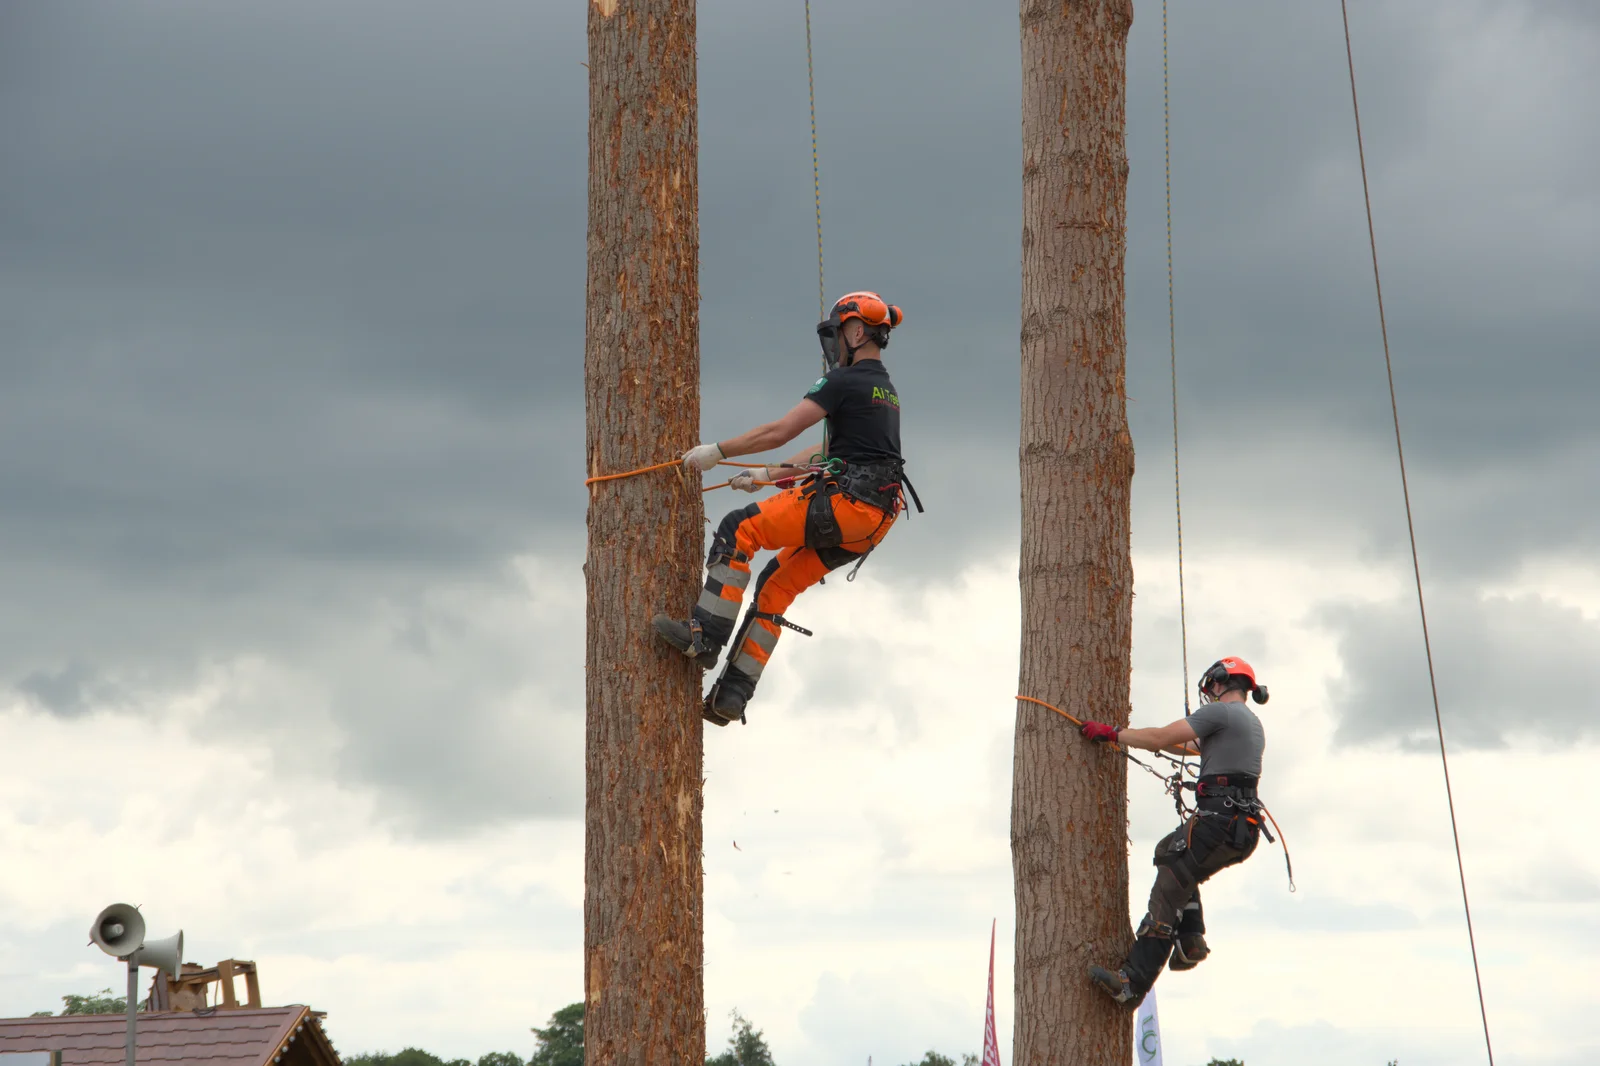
(165, 954)
(118, 931)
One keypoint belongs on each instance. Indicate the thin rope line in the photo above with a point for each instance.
(1416, 566)
(1172, 337)
(816, 169)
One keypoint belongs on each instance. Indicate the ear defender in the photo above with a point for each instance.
(896, 316)
(1259, 694)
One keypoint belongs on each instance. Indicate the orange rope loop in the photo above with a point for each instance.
(627, 473)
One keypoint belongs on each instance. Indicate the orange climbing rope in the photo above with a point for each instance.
(1079, 722)
(662, 466)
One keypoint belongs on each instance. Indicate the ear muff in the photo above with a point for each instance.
(896, 316)
(1259, 694)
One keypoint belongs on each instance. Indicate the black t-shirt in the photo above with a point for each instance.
(863, 412)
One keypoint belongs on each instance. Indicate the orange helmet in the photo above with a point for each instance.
(1224, 671)
(874, 312)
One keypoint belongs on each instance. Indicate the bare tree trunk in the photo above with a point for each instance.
(643, 907)
(1069, 797)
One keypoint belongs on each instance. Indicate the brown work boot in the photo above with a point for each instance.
(1188, 951)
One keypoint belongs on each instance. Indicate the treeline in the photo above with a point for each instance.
(560, 1043)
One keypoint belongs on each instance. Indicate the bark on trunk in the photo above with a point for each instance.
(1069, 798)
(643, 910)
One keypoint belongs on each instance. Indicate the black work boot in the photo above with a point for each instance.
(726, 701)
(688, 638)
(1188, 951)
(1114, 983)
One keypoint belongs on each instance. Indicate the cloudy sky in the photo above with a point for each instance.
(290, 455)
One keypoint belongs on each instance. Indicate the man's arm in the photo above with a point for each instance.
(1177, 738)
(800, 418)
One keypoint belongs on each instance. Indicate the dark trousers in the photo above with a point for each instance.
(1185, 859)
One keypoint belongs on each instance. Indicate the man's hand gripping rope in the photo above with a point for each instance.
(1104, 734)
(703, 457)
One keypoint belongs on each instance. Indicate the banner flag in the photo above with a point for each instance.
(1147, 1035)
(991, 1042)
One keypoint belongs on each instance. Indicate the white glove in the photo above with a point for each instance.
(745, 480)
(703, 456)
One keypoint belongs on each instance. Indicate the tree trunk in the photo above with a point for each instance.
(643, 907)
(1069, 797)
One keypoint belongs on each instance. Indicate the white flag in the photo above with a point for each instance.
(1147, 1033)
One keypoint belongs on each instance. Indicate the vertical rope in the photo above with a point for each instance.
(1172, 338)
(816, 169)
(1416, 566)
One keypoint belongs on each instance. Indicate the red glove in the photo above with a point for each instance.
(1099, 731)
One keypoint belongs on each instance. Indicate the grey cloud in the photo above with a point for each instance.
(1509, 668)
(294, 312)
(69, 691)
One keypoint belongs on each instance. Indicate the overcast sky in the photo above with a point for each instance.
(290, 454)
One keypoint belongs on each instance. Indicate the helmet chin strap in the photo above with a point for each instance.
(849, 349)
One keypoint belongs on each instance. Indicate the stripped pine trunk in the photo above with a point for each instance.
(1069, 797)
(643, 921)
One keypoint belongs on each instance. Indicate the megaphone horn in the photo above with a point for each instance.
(165, 954)
(118, 931)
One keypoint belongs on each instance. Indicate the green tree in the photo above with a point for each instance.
(102, 1003)
(1226, 1062)
(562, 1043)
(501, 1058)
(933, 1058)
(410, 1056)
(746, 1047)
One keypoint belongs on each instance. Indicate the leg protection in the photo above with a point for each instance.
(1151, 946)
(1189, 949)
(784, 578)
(742, 671)
(727, 575)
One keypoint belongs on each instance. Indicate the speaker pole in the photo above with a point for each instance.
(133, 1001)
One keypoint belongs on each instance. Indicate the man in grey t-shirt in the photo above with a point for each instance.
(1223, 832)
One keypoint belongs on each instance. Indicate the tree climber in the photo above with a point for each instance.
(1224, 830)
(846, 499)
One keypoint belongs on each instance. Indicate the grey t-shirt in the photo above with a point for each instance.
(1231, 738)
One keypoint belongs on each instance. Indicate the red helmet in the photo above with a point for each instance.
(875, 313)
(1223, 671)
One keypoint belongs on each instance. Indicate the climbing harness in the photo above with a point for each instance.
(1416, 566)
(876, 484)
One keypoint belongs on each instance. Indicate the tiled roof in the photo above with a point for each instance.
(172, 1038)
